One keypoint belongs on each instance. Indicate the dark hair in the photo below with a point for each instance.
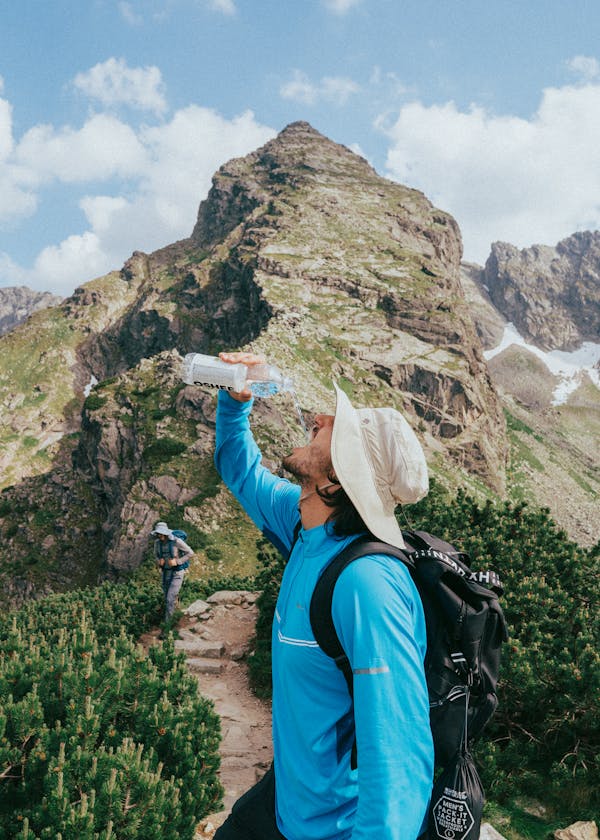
(344, 518)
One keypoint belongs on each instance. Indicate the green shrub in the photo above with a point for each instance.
(109, 608)
(98, 739)
(271, 565)
(163, 449)
(545, 738)
(44, 517)
(94, 401)
(213, 553)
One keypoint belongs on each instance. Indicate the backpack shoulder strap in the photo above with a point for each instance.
(321, 619)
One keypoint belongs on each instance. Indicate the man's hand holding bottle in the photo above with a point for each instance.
(247, 359)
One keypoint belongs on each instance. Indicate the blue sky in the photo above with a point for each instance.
(114, 114)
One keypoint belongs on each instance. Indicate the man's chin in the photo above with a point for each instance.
(290, 464)
(287, 462)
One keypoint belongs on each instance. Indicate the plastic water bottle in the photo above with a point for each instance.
(263, 380)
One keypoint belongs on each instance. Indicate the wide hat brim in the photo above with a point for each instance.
(379, 462)
(162, 529)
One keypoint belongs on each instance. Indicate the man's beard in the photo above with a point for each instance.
(307, 466)
(297, 470)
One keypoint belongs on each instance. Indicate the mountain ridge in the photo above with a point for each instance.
(301, 251)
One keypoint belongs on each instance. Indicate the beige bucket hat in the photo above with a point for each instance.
(379, 462)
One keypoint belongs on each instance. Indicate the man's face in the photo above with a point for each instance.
(311, 464)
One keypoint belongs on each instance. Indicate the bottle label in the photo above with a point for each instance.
(212, 385)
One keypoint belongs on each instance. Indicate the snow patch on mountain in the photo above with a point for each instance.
(570, 368)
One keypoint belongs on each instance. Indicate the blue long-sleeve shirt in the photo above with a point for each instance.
(378, 616)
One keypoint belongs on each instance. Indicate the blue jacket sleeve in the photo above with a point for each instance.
(379, 619)
(270, 501)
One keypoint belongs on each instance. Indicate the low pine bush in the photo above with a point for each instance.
(98, 739)
(545, 738)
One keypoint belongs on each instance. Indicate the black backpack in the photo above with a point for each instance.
(465, 632)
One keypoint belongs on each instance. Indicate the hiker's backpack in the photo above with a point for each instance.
(465, 632)
(182, 535)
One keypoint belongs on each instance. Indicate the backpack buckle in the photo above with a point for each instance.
(460, 663)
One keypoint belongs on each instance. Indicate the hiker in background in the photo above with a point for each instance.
(173, 557)
(356, 468)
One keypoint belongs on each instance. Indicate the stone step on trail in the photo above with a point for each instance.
(204, 666)
(193, 645)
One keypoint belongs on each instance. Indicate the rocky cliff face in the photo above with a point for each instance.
(553, 453)
(18, 302)
(552, 295)
(304, 253)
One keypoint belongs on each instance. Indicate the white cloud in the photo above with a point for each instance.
(102, 148)
(169, 167)
(185, 154)
(115, 83)
(334, 89)
(337, 89)
(100, 210)
(11, 274)
(227, 7)
(129, 14)
(300, 89)
(16, 201)
(585, 67)
(340, 7)
(6, 136)
(59, 267)
(524, 181)
(388, 81)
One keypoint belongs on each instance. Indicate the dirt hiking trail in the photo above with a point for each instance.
(215, 636)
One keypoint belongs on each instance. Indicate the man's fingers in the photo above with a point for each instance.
(241, 396)
(242, 358)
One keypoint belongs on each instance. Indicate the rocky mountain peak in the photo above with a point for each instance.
(551, 294)
(298, 156)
